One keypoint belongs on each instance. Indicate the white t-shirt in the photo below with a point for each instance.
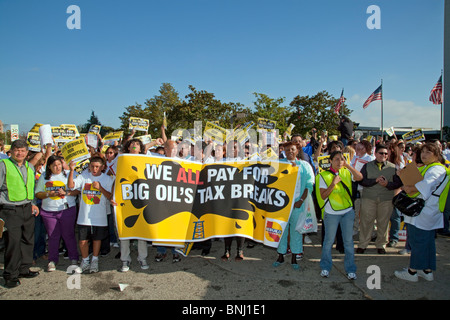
(93, 204)
(358, 162)
(54, 183)
(112, 166)
(430, 217)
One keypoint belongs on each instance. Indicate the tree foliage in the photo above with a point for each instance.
(316, 112)
(305, 112)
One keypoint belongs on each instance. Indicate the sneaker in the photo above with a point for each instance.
(160, 257)
(325, 273)
(125, 266)
(84, 266)
(307, 240)
(351, 276)
(427, 276)
(404, 251)
(51, 266)
(73, 267)
(94, 266)
(392, 244)
(144, 265)
(299, 257)
(405, 275)
(176, 258)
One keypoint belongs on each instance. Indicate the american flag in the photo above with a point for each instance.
(436, 92)
(376, 95)
(340, 102)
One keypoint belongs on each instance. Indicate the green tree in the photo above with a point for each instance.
(203, 106)
(92, 120)
(167, 101)
(316, 112)
(272, 109)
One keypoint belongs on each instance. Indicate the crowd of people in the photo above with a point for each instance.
(46, 207)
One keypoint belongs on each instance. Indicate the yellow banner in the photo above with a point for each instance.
(167, 200)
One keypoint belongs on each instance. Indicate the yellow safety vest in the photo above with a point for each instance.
(17, 189)
(339, 198)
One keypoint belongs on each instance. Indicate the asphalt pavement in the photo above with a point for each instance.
(197, 279)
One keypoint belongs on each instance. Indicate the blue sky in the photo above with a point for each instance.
(125, 50)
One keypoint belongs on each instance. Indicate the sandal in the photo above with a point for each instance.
(279, 261)
(226, 255)
(239, 256)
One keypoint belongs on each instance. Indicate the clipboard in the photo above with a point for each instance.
(410, 174)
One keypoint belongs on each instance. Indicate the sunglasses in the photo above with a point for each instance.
(383, 153)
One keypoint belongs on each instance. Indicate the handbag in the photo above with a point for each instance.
(408, 206)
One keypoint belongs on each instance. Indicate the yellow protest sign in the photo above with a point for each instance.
(75, 150)
(269, 154)
(414, 136)
(266, 124)
(36, 127)
(215, 133)
(168, 200)
(111, 137)
(324, 162)
(34, 141)
(68, 132)
(94, 129)
(138, 124)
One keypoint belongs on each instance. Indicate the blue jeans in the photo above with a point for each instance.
(332, 222)
(395, 225)
(423, 248)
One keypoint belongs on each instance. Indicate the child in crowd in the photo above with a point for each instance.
(92, 222)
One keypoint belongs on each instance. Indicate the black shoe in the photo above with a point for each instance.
(12, 283)
(29, 274)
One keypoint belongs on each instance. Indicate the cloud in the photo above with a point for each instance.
(395, 114)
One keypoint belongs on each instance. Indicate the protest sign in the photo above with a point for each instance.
(214, 133)
(414, 136)
(145, 139)
(324, 162)
(75, 150)
(34, 141)
(35, 128)
(68, 132)
(138, 124)
(45, 133)
(266, 124)
(168, 200)
(94, 129)
(112, 137)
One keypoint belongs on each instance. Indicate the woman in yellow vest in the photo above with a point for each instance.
(422, 228)
(334, 196)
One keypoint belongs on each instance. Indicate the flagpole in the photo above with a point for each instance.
(342, 113)
(382, 129)
(442, 108)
